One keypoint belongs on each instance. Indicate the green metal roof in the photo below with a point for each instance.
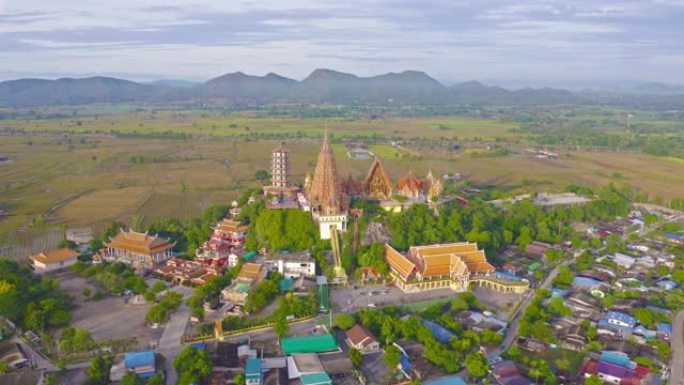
(250, 255)
(286, 284)
(323, 295)
(318, 378)
(309, 344)
(534, 266)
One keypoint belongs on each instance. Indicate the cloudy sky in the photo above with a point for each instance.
(508, 42)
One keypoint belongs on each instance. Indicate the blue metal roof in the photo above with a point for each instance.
(617, 358)
(603, 323)
(585, 281)
(441, 334)
(446, 380)
(674, 236)
(664, 327)
(405, 362)
(510, 276)
(253, 366)
(136, 360)
(622, 317)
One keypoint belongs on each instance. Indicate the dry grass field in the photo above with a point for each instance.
(75, 180)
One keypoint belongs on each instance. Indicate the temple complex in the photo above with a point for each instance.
(352, 188)
(432, 267)
(227, 236)
(377, 184)
(328, 204)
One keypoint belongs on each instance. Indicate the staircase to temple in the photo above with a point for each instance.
(340, 275)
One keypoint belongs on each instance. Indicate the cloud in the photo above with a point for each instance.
(452, 40)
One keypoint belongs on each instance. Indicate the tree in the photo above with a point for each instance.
(281, 327)
(98, 371)
(157, 379)
(356, 357)
(239, 379)
(345, 321)
(261, 175)
(564, 278)
(476, 363)
(593, 380)
(392, 357)
(131, 378)
(157, 314)
(193, 365)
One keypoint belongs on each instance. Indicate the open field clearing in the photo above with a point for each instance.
(82, 180)
(217, 124)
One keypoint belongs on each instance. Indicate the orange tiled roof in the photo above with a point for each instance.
(411, 182)
(231, 226)
(140, 242)
(54, 256)
(478, 267)
(398, 262)
(457, 258)
(436, 265)
(443, 249)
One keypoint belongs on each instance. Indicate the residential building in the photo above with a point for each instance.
(361, 339)
(453, 379)
(437, 266)
(53, 260)
(12, 355)
(676, 239)
(621, 319)
(623, 260)
(249, 276)
(293, 265)
(138, 249)
(142, 363)
(253, 372)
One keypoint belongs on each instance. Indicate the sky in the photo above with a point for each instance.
(512, 42)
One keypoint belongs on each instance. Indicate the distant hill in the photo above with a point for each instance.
(66, 91)
(321, 86)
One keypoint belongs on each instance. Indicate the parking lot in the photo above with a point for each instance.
(350, 299)
(109, 318)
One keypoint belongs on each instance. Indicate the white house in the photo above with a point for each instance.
(294, 265)
(362, 340)
(54, 260)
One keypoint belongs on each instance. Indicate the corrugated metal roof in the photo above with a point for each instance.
(309, 344)
(316, 379)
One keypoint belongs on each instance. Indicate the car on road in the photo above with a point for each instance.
(373, 293)
(371, 305)
(384, 292)
(362, 293)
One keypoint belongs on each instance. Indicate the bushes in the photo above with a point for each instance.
(160, 311)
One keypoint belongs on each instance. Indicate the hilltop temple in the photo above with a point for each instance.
(377, 184)
(328, 204)
(281, 189)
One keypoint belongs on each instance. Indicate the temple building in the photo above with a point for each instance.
(433, 185)
(227, 236)
(352, 188)
(411, 187)
(328, 204)
(138, 249)
(281, 187)
(377, 184)
(437, 266)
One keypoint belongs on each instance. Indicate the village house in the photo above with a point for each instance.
(359, 338)
(249, 276)
(53, 260)
(137, 249)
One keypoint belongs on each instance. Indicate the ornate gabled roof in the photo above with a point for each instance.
(325, 193)
(398, 262)
(410, 182)
(378, 183)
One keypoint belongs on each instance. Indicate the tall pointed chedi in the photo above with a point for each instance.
(328, 204)
(325, 193)
(377, 184)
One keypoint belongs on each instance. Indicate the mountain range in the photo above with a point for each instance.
(321, 86)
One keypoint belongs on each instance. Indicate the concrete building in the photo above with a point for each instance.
(293, 265)
(53, 260)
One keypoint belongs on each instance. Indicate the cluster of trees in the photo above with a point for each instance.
(292, 305)
(32, 302)
(193, 365)
(166, 305)
(210, 292)
(520, 223)
(264, 292)
(290, 229)
(74, 340)
(112, 277)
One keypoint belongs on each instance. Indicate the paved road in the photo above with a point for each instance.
(170, 342)
(677, 343)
